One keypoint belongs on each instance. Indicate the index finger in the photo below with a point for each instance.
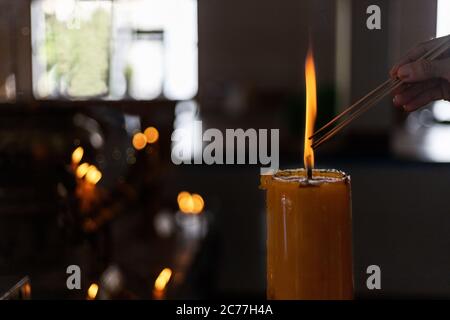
(415, 53)
(411, 56)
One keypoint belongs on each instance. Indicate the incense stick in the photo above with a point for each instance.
(351, 108)
(354, 116)
(370, 99)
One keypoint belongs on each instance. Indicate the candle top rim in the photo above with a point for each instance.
(298, 176)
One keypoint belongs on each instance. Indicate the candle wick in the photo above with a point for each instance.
(308, 167)
(309, 173)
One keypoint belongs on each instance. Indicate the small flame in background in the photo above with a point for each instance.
(163, 278)
(85, 170)
(152, 134)
(82, 169)
(92, 291)
(89, 172)
(140, 140)
(77, 155)
(93, 175)
(190, 203)
(311, 108)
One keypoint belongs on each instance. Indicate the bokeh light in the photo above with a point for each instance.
(139, 141)
(92, 291)
(77, 155)
(163, 278)
(93, 175)
(198, 203)
(82, 170)
(152, 134)
(190, 203)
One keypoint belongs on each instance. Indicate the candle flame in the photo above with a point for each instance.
(311, 109)
(93, 175)
(82, 169)
(190, 203)
(92, 291)
(139, 141)
(198, 202)
(152, 134)
(77, 154)
(163, 279)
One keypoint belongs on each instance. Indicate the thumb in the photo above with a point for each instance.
(424, 69)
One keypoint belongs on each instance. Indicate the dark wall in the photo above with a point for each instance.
(261, 45)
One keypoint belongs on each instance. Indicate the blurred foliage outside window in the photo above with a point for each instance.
(77, 57)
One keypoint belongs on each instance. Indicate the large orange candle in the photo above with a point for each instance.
(309, 247)
(309, 251)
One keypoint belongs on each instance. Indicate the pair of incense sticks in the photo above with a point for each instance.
(369, 100)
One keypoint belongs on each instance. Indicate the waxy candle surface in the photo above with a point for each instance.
(309, 246)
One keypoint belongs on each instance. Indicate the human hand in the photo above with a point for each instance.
(424, 81)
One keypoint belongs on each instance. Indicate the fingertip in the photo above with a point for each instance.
(393, 71)
(410, 107)
(404, 72)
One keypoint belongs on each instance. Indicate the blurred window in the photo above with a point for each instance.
(8, 68)
(114, 49)
(441, 109)
(443, 21)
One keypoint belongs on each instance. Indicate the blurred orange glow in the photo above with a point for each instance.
(151, 134)
(82, 170)
(163, 279)
(89, 225)
(92, 291)
(186, 204)
(77, 154)
(181, 195)
(198, 203)
(26, 291)
(190, 203)
(139, 141)
(93, 175)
